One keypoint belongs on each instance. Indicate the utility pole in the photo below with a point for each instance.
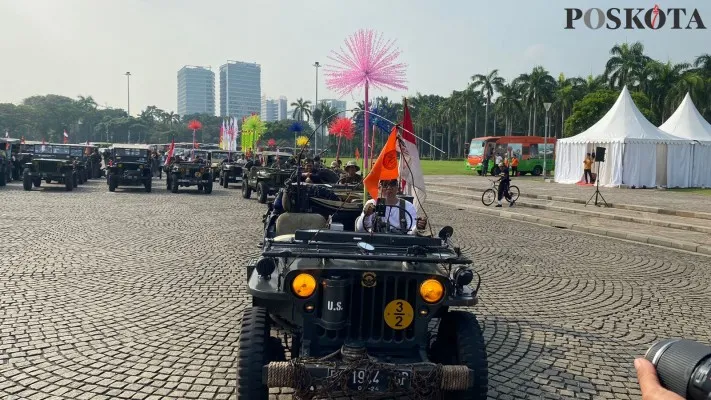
(317, 65)
(128, 101)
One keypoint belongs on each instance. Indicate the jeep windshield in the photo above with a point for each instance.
(76, 152)
(131, 152)
(50, 149)
(219, 156)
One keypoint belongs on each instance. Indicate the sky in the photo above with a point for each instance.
(84, 47)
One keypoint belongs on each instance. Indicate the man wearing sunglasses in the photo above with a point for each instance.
(400, 215)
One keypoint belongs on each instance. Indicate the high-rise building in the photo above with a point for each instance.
(273, 109)
(240, 89)
(281, 109)
(338, 105)
(196, 90)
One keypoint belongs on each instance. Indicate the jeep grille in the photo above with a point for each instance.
(366, 307)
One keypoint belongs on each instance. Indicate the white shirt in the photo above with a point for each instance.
(499, 160)
(392, 216)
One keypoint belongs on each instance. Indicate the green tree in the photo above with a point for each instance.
(595, 105)
(626, 65)
(302, 108)
(487, 85)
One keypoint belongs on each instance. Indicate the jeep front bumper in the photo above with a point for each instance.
(366, 376)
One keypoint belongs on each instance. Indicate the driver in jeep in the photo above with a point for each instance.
(400, 214)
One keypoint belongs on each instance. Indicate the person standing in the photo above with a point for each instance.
(587, 168)
(514, 165)
(485, 164)
(504, 184)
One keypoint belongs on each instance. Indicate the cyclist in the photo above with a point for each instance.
(504, 183)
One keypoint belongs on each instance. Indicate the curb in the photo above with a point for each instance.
(615, 217)
(631, 207)
(615, 234)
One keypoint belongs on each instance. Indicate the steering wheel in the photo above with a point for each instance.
(410, 219)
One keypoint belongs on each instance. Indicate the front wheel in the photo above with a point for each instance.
(246, 190)
(148, 185)
(514, 192)
(461, 342)
(174, 183)
(488, 197)
(37, 182)
(69, 181)
(262, 192)
(207, 189)
(252, 354)
(112, 183)
(537, 170)
(26, 180)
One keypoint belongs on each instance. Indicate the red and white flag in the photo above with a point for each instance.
(170, 152)
(413, 180)
(66, 137)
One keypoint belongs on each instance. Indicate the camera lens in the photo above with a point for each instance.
(683, 366)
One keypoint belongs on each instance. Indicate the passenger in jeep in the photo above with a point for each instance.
(400, 214)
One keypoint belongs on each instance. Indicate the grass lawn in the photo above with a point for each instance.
(705, 192)
(436, 167)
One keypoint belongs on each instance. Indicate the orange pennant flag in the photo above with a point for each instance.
(385, 167)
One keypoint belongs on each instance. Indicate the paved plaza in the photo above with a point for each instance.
(133, 295)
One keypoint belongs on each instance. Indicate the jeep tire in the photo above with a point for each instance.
(112, 182)
(69, 181)
(207, 188)
(174, 183)
(461, 342)
(37, 182)
(26, 179)
(148, 184)
(255, 349)
(246, 190)
(3, 177)
(262, 192)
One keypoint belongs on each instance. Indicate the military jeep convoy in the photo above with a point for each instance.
(361, 315)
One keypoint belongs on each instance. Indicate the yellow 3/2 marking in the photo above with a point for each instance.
(398, 314)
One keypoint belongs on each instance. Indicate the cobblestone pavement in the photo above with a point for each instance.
(133, 295)
(677, 200)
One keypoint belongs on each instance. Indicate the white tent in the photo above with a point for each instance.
(637, 152)
(687, 122)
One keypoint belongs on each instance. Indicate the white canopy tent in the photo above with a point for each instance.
(687, 122)
(637, 152)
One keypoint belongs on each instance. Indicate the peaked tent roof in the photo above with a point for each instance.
(687, 122)
(624, 123)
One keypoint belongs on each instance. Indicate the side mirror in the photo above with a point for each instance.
(446, 232)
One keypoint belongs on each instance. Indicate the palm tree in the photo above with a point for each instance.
(626, 65)
(488, 84)
(664, 78)
(170, 117)
(508, 104)
(703, 63)
(568, 91)
(87, 103)
(301, 108)
(538, 86)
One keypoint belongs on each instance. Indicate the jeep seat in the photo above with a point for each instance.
(288, 223)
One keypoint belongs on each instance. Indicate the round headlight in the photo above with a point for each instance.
(303, 285)
(431, 291)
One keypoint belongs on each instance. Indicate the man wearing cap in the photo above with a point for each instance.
(351, 177)
(400, 214)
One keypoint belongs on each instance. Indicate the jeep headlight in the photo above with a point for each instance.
(431, 291)
(303, 285)
(120, 165)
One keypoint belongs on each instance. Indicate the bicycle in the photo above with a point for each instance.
(490, 195)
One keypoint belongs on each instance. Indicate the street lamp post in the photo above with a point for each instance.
(545, 139)
(317, 65)
(128, 101)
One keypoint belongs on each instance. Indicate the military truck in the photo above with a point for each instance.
(190, 168)
(266, 174)
(129, 165)
(51, 163)
(363, 315)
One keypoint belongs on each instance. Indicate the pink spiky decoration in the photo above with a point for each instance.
(368, 61)
(367, 58)
(271, 143)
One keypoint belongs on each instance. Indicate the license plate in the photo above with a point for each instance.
(375, 380)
